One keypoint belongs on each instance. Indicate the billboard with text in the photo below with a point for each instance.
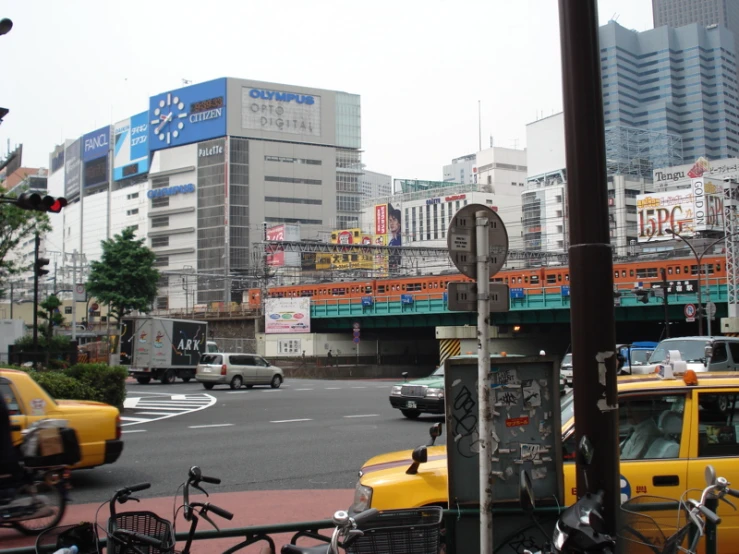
(287, 315)
(131, 146)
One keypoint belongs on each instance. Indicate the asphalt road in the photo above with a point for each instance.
(309, 434)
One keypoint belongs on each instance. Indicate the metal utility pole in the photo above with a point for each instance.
(699, 261)
(666, 303)
(591, 258)
(74, 295)
(37, 243)
(484, 381)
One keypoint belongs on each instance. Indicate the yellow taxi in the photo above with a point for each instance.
(98, 425)
(670, 429)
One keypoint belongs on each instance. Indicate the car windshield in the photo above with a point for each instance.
(639, 357)
(567, 405)
(690, 350)
(211, 359)
(567, 360)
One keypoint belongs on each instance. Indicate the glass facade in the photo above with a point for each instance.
(348, 120)
(211, 247)
(238, 224)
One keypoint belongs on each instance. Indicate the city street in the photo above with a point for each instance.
(309, 434)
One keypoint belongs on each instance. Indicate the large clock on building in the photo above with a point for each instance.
(169, 118)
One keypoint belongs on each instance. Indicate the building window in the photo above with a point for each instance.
(282, 200)
(161, 262)
(348, 203)
(159, 182)
(132, 196)
(162, 302)
(296, 180)
(160, 202)
(163, 281)
(293, 220)
(158, 242)
(132, 212)
(292, 160)
(162, 221)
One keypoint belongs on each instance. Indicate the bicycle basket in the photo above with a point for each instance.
(82, 536)
(653, 524)
(400, 532)
(145, 523)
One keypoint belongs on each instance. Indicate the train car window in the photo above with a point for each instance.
(436, 285)
(519, 279)
(380, 288)
(646, 272)
(623, 273)
(709, 269)
(534, 279)
(424, 285)
(567, 277)
(525, 279)
(685, 269)
(718, 267)
(615, 274)
(559, 277)
(631, 273)
(368, 289)
(403, 287)
(669, 271)
(677, 270)
(551, 279)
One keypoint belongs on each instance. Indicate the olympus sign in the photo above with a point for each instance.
(171, 191)
(281, 96)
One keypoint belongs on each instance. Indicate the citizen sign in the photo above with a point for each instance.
(281, 96)
(171, 191)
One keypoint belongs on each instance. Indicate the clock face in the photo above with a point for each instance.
(170, 117)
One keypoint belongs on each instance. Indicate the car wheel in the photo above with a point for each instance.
(208, 386)
(276, 382)
(237, 382)
(411, 414)
(168, 377)
(143, 380)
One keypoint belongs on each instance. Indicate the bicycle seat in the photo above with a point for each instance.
(295, 549)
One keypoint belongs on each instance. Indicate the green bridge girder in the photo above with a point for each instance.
(548, 307)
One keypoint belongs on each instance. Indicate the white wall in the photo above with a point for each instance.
(94, 224)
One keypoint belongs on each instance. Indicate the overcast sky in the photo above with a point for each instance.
(420, 66)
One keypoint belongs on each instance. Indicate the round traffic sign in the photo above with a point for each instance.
(711, 308)
(80, 289)
(689, 310)
(462, 240)
(356, 340)
(356, 325)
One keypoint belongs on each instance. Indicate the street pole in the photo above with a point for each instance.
(708, 302)
(666, 303)
(591, 258)
(74, 297)
(484, 383)
(11, 300)
(37, 243)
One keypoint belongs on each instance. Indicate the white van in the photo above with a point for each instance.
(236, 370)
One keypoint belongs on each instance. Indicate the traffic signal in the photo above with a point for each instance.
(35, 202)
(40, 263)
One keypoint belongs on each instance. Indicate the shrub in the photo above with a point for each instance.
(62, 386)
(108, 382)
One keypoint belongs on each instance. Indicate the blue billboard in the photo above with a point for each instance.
(187, 115)
(96, 144)
(131, 146)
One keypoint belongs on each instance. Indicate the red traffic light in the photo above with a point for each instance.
(58, 204)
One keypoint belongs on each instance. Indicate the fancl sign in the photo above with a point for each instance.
(171, 191)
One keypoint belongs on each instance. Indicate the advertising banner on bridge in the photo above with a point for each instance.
(684, 211)
(350, 260)
(276, 256)
(287, 315)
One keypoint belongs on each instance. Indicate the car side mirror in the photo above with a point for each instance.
(708, 351)
(420, 456)
(526, 492)
(404, 375)
(649, 353)
(435, 432)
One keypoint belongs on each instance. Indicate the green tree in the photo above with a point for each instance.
(125, 276)
(16, 227)
(50, 313)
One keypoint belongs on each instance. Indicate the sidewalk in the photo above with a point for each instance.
(249, 508)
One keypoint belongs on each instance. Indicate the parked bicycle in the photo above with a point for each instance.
(646, 525)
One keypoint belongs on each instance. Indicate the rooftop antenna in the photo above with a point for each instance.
(615, 17)
(479, 128)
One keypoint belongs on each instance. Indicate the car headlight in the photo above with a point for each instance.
(435, 393)
(559, 537)
(362, 498)
(395, 391)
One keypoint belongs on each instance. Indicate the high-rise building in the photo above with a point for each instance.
(462, 170)
(671, 81)
(677, 13)
(376, 184)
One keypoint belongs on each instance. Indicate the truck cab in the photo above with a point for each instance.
(700, 353)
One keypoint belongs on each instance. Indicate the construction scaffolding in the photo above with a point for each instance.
(634, 151)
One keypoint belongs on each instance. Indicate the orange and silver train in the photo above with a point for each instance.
(533, 280)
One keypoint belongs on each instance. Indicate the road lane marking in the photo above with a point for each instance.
(211, 425)
(237, 392)
(163, 406)
(359, 387)
(135, 431)
(130, 402)
(289, 420)
(133, 419)
(333, 388)
(303, 389)
(179, 397)
(361, 415)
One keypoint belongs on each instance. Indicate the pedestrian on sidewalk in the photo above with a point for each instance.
(330, 357)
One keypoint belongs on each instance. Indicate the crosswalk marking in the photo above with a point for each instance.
(162, 406)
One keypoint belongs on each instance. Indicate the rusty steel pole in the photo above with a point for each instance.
(591, 259)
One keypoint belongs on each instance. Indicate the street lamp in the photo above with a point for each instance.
(699, 259)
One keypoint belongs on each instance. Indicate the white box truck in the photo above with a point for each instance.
(163, 349)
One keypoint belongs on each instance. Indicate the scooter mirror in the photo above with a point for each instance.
(585, 451)
(526, 492)
(710, 475)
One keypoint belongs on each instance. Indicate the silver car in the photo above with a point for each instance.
(237, 370)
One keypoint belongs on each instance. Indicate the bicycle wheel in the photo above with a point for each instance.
(55, 503)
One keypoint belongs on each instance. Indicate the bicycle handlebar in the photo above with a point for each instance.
(211, 480)
(145, 539)
(136, 488)
(225, 514)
